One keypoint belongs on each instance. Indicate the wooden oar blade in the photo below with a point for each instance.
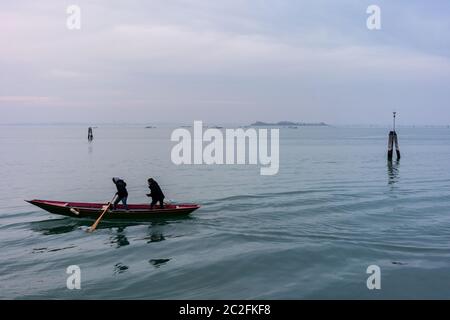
(94, 226)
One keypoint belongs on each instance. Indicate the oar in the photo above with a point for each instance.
(92, 228)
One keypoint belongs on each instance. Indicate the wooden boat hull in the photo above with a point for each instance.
(93, 210)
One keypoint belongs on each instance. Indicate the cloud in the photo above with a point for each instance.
(288, 58)
(66, 74)
(27, 99)
(177, 49)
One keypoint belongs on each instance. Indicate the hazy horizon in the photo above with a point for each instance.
(216, 123)
(225, 62)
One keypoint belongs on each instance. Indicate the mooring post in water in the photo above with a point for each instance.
(90, 134)
(397, 147)
(393, 139)
(390, 145)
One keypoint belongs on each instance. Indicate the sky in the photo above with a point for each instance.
(225, 61)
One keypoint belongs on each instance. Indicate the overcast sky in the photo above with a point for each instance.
(225, 61)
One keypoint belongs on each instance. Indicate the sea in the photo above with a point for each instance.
(336, 211)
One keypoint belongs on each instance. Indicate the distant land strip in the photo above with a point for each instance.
(289, 123)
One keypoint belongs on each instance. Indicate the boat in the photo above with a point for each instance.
(93, 210)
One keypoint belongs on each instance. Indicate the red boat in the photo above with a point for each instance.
(93, 210)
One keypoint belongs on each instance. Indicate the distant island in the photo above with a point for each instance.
(289, 124)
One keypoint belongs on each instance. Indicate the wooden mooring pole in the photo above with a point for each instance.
(90, 134)
(393, 139)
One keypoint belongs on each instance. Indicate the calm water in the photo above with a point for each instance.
(311, 231)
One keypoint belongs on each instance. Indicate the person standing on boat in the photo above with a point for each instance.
(156, 193)
(122, 193)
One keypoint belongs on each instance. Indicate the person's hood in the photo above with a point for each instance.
(116, 179)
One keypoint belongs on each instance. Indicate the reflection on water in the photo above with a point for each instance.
(66, 225)
(55, 226)
(155, 235)
(44, 250)
(120, 239)
(393, 172)
(158, 262)
(120, 268)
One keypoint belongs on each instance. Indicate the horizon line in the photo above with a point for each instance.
(93, 124)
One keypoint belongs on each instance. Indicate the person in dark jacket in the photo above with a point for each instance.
(122, 193)
(156, 194)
